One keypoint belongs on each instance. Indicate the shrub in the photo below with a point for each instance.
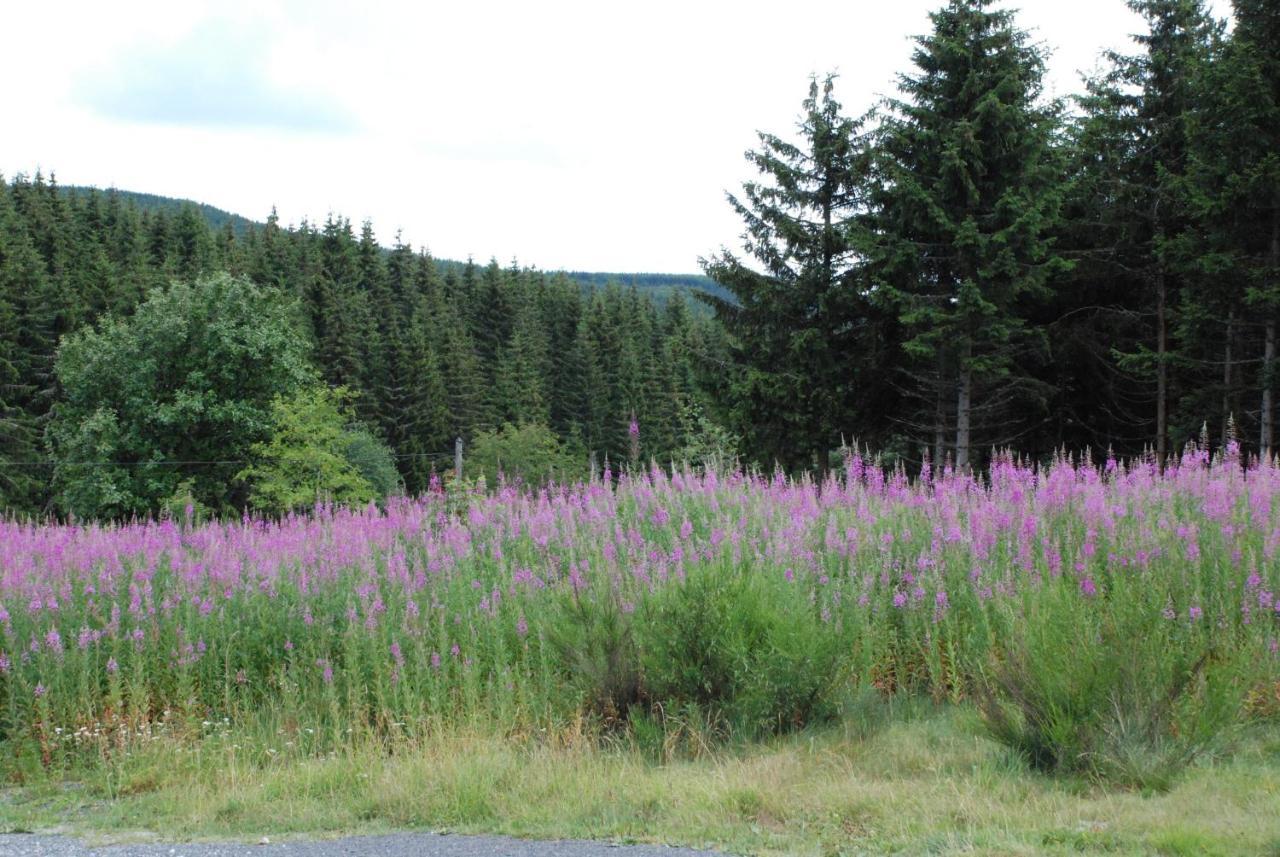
(593, 639)
(307, 458)
(741, 647)
(529, 454)
(1112, 690)
(373, 460)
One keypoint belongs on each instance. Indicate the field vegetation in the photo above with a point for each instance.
(1093, 631)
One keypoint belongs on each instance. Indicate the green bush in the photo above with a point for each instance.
(528, 454)
(593, 638)
(740, 647)
(1115, 690)
(308, 457)
(373, 460)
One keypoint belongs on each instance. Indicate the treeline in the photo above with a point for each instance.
(970, 264)
(429, 355)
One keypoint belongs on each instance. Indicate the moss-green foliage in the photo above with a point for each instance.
(313, 456)
(594, 641)
(529, 454)
(726, 651)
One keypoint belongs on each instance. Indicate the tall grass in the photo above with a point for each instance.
(1092, 610)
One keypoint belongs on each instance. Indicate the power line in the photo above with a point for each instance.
(190, 462)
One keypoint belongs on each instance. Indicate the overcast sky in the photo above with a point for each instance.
(585, 136)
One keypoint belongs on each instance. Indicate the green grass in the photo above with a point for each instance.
(913, 781)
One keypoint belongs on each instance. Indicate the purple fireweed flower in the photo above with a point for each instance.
(1088, 587)
(435, 660)
(54, 641)
(288, 645)
(1194, 612)
(5, 664)
(112, 666)
(454, 650)
(40, 690)
(522, 626)
(899, 599)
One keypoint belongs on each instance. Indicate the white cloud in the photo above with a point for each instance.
(216, 76)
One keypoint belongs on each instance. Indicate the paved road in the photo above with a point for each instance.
(396, 845)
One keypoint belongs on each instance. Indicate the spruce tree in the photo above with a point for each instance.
(784, 318)
(1134, 144)
(966, 198)
(22, 473)
(1236, 176)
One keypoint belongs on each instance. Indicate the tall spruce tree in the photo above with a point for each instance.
(21, 357)
(1135, 144)
(966, 199)
(786, 308)
(1236, 175)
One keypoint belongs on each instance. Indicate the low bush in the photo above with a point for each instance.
(592, 638)
(1117, 691)
(741, 647)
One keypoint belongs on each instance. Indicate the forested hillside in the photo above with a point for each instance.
(429, 353)
(659, 286)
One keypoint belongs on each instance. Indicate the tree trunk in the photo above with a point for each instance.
(939, 430)
(1162, 372)
(963, 402)
(1267, 418)
(1226, 378)
(1268, 357)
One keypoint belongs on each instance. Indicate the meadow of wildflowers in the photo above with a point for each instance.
(761, 603)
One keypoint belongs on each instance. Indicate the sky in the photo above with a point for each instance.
(581, 136)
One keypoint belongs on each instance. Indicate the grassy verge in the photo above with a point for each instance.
(919, 781)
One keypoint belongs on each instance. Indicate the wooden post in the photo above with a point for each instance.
(457, 459)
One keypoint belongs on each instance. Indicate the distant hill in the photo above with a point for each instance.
(216, 217)
(658, 285)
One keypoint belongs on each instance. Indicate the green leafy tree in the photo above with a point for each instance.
(180, 391)
(529, 454)
(309, 457)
